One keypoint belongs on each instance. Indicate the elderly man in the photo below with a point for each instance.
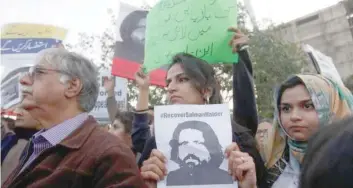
(71, 150)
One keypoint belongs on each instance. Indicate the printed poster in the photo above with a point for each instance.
(11, 91)
(129, 46)
(100, 111)
(323, 63)
(193, 138)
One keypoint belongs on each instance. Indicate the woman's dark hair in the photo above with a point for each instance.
(329, 157)
(130, 23)
(126, 119)
(202, 74)
(290, 83)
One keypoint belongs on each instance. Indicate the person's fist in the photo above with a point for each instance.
(142, 80)
(154, 168)
(239, 39)
(109, 83)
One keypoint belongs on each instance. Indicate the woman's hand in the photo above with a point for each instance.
(154, 169)
(109, 85)
(238, 40)
(241, 167)
(142, 80)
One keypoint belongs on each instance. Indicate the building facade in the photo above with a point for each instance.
(330, 31)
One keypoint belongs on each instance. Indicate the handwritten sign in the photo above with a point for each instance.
(197, 27)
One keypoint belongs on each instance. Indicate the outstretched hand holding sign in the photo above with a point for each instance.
(109, 85)
(241, 166)
(142, 80)
(238, 41)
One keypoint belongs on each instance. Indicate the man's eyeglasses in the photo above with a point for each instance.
(37, 71)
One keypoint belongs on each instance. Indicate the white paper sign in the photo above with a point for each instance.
(11, 91)
(325, 63)
(100, 111)
(193, 138)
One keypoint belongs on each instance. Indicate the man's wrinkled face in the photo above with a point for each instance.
(42, 88)
(192, 150)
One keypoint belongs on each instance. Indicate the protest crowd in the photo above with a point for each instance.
(49, 139)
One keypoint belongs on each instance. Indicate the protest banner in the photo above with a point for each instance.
(100, 111)
(323, 64)
(130, 46)
(193, 138)
(195, 27)
(20, 42)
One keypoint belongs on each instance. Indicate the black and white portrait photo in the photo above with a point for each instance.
(132, 33)
(193, 138)
(197, 164)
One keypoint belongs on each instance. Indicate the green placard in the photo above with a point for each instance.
(197, 27)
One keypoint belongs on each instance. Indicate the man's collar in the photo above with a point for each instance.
(77, 138)
(59, 132)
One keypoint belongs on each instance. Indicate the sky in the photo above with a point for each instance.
(91, 16)
(280, 11)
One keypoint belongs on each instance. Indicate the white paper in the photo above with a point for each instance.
(325, 63)
(201, 135)
(100, 111)
(11, 91)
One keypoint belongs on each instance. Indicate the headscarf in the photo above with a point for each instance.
(331, 101)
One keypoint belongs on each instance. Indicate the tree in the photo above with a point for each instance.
(273, 59)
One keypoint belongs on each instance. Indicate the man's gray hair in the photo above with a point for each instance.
(73, 66)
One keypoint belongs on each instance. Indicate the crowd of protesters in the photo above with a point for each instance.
(51, 141)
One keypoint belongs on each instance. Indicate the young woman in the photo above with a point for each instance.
(304, 104)
(192, 81)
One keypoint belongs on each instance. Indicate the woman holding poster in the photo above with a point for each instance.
(191, 80)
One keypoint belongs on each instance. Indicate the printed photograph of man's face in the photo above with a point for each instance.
(195, 147)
